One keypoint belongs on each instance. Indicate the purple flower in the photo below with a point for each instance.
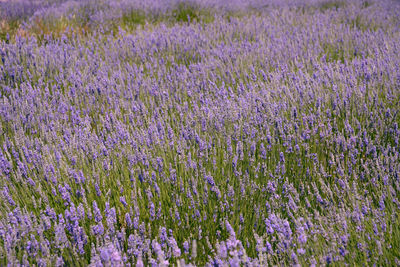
(122, 199)
(97, 213)
(128, 220)
(222, 250)
(98, 229)
(210, 180)
(104, 255)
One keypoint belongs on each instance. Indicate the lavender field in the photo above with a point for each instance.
(199, 133)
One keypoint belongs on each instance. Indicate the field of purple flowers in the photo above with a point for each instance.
(199, 133)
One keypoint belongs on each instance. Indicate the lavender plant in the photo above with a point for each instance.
(267, 135)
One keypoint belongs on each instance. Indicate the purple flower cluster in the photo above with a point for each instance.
(267, 136)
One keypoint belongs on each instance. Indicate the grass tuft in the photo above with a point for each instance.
(329, 5)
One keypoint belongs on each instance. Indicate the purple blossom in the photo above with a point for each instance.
(199, 132)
